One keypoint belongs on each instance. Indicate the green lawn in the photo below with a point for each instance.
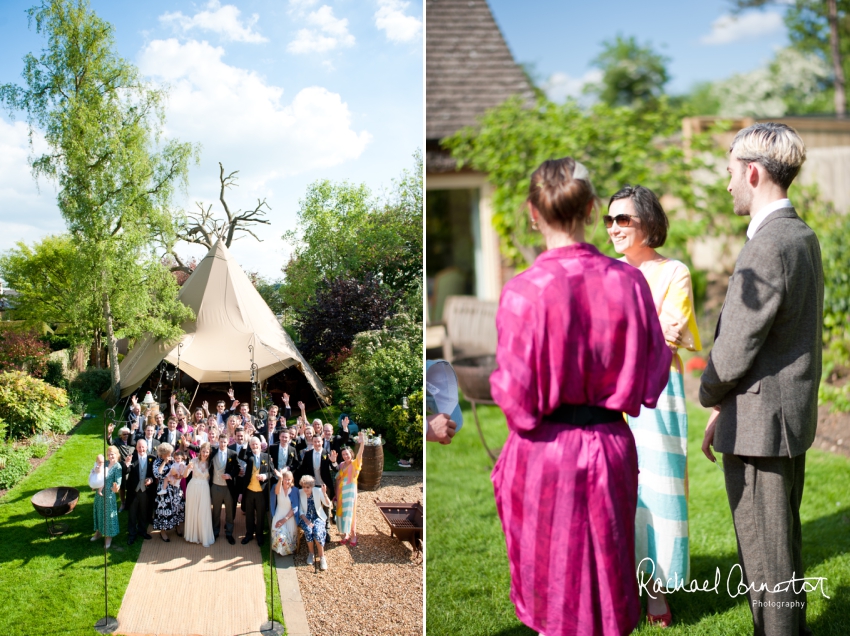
(467, 571)
(55, 586)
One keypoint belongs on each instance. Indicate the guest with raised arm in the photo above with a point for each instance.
(251, 431)
(346, 491)
(135, 420)
(313, 520)
(284, 527)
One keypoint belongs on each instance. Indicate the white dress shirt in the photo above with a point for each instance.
(762, 214)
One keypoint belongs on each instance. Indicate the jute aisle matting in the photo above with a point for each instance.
(176, 588)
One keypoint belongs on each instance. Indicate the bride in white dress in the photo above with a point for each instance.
(284, 528)
(198, 525)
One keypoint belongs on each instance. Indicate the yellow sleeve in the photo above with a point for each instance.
(678, 306)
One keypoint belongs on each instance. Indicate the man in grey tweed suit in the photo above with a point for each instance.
(763, 374)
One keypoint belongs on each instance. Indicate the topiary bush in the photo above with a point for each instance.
(14, 464)
(92, 383)
(28, 405)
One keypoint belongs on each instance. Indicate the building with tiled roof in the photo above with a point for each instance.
(469, 69)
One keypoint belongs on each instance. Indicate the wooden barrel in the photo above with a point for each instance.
(373, 467)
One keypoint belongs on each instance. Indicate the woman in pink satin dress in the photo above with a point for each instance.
(579, 345)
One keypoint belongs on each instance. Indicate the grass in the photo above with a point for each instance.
(467, 570)
(55, 586)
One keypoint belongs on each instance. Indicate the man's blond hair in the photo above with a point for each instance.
(775, 146)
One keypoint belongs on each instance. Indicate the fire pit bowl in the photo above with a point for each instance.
(405, 521)
(473, 376)
(55, 502)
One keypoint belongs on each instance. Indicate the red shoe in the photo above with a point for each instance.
(343, 541)
(353, 541)
(660, 620)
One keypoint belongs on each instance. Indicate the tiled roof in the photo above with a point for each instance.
(469, 67)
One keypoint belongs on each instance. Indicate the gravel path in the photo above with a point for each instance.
(374, 589)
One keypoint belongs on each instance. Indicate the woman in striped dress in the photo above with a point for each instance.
(637, 225)
(346, 492)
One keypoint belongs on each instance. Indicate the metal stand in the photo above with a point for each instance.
(493, 455)
(272, 627)
(55, 529)
(107, 624)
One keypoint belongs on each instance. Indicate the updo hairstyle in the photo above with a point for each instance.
(560, 198)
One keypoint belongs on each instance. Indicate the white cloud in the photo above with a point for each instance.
(223, 20)
(390, 17)
(728, 28)
(234, 112)
(27, 213)
(560, 85)
(299, 5)
(329, 33)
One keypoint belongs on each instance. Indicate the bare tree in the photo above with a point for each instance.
(204, 228)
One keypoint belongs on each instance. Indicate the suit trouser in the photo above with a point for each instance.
(138, 514)
(254, 504)
(220, 496)
(764, 495)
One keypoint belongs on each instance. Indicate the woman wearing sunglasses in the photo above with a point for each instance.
(579, 344)
(637, 226)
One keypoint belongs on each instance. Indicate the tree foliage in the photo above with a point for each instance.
(102, 124)
(619, 145)
(632, 75)
(810, 31)
(54, 285)
(345, 232)
(340, 309)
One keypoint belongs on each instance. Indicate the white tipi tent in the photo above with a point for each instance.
(230, 316)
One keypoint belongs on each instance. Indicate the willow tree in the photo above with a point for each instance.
(115, 174)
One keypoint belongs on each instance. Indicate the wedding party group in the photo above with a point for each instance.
(179, 475)
(592, 484)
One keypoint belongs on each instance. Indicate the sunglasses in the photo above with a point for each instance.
(622, 220)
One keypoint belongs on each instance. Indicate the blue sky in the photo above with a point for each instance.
(285, 91)
(561, 38)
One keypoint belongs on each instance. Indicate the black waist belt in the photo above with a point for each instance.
(583, 415)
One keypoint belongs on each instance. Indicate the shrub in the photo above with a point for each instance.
(14, 464)
(55, 374)
(405, 427)
(61, 420)
(385, 367)
(23, 351)
(341, 309)
(27, 404)
(92, 383)
(39, 446)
